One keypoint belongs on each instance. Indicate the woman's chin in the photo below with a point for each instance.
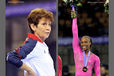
(84, 49)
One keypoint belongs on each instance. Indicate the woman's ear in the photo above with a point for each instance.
(33, 27)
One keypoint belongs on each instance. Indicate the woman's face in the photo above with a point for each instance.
(43, 28)
(85, 43)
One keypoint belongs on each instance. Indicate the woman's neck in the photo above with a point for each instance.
(41, 38)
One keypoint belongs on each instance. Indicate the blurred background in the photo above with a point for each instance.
(92, 21)
(17, 27)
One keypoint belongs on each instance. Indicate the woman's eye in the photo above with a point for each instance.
(43, 23)
(81, 42)
(84, 42)
(49, 24)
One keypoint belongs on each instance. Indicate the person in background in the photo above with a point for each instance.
(104, 70)
(59, 66)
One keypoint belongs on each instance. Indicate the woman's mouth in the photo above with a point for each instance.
(47, 32)
(84, 47)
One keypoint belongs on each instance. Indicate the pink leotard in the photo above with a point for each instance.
(93, 61)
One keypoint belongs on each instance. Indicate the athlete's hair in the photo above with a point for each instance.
(36, 14)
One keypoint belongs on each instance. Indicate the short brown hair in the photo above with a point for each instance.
(36, 14)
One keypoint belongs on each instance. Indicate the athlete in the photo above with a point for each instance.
(84, 59)
(33, 57)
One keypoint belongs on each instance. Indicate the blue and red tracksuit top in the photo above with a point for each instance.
(35, 54)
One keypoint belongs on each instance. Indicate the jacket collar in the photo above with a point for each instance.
(32, 36)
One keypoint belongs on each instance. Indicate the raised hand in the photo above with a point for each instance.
(73, 14)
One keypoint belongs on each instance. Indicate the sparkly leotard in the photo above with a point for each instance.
(78, 56)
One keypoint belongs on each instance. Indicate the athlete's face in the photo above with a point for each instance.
(85, 43)
(43, 28)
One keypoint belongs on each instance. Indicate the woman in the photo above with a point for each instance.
(85, 60)
(33, 56)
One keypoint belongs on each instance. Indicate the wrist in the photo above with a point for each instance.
(25, 67)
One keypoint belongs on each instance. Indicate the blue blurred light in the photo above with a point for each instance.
(24, 9)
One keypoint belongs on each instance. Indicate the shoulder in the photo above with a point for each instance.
(96, 58)
(30, 41)
(29, 44)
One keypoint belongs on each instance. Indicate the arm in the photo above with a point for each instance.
(15, 56)
(75, 35)
(29, 72)
(97, 67)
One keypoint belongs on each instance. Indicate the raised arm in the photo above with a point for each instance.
(75, 34)
(97, 67)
